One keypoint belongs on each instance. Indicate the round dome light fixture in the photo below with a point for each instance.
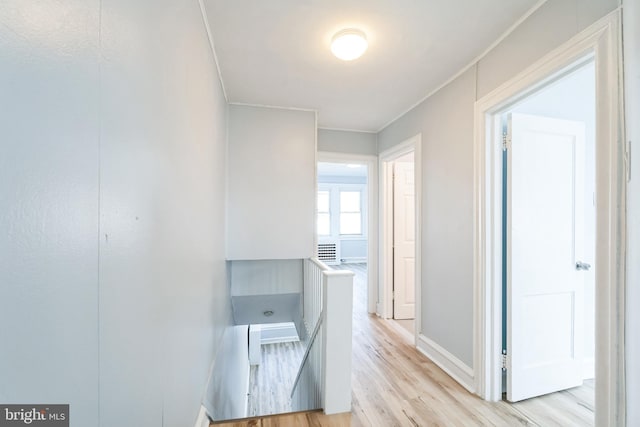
(349, 44)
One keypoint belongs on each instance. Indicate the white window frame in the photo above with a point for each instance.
(353, 188)
(334, 209)
(323, 236)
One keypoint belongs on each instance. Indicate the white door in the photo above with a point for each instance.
(404, 257)
(545, 246)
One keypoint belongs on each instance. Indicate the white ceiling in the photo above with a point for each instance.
(276, 52)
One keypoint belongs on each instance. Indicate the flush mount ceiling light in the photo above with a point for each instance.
(349, 44)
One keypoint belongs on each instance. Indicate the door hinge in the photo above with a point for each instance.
(504, 360)
(505, 141)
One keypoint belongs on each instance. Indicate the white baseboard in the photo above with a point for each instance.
(453, 366)
(203, 418)
(278, 332)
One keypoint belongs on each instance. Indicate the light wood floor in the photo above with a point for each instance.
(395, 385)
(271, 382)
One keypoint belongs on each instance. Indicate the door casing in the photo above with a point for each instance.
(601, 43)
(385, 295)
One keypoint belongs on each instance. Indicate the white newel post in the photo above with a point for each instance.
(337, 344)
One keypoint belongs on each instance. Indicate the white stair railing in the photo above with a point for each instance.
(324, 378)
(312, 292)
(306, 393)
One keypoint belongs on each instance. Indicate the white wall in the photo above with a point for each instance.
(164, 300)
(227, 392)
(112, 188)
(348, 142)
(631, 23)
(547, 28)
(271, 183)
(49, 125)
(266, 277)
(446, 122)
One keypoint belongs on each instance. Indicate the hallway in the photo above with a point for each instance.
(153, 149)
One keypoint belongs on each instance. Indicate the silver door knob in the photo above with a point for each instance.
(582, 266)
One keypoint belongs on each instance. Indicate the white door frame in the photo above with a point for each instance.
(385, 293)
(372, 215)
(601, 42)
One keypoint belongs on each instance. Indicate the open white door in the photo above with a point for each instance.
(404, 258)
(545, 248)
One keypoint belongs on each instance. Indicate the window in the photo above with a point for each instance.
(324, 213)
(341, 211)
(350, 212)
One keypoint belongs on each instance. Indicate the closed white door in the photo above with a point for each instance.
(404, 258)
(545, 248)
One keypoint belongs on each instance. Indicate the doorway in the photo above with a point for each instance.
(342, 213)
(346, 215)
(548, 228)
(404, 240)
(599, 44)
(399, 210)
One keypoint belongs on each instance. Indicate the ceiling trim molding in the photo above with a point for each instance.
(473, 62)
(278, 107)
(349, 130)
(205, 19)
